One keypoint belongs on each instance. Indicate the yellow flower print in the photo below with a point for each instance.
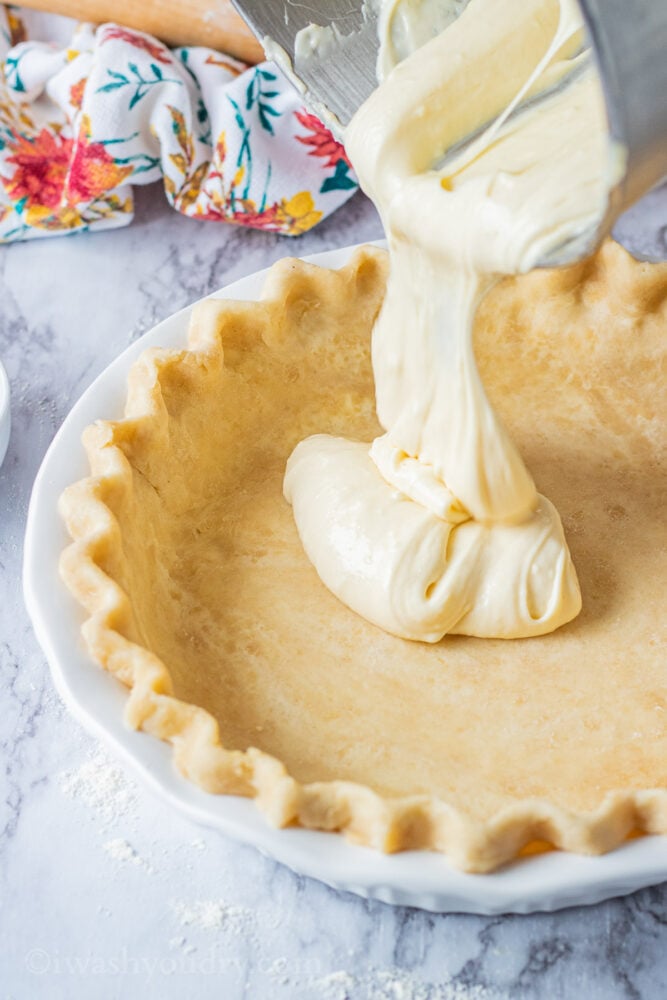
(299, 214)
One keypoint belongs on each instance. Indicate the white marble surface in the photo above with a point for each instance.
(104, 892)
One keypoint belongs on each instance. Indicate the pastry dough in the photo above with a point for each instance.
(201, 600)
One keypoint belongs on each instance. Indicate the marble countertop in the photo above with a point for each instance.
(105, 892)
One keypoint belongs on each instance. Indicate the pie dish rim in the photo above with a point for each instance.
(416, 878)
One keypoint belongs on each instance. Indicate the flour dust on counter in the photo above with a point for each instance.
(380, 984)
(102, 785)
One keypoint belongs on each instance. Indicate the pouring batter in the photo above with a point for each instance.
(437, 526)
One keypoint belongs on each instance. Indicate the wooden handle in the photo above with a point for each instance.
(213, 23)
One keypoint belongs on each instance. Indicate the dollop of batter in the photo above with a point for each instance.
(436, 527)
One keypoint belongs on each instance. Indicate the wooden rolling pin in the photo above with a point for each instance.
(213, 23)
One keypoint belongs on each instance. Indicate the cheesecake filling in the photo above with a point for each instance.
(483, 150)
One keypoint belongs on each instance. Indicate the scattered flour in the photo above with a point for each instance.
(278, 972)
(211, 915)
(122, 851)
(111, 796)
(103, 786)
(381, 984)
(181, 944)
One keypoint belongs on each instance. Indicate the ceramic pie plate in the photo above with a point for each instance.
(548, 881)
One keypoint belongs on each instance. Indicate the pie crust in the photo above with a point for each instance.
(201, 600)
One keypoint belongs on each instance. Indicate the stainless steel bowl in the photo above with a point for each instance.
(629, 41)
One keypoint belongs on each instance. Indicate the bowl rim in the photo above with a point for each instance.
(421, 879)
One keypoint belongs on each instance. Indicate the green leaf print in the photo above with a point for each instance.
(340, 181)
(141, 85)
(259, 99)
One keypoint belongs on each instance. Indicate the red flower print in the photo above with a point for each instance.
(139, 41)
(41, 169)
(321, 140)
(290, 217)
(93, 171)
(52, 171)
(76, 93)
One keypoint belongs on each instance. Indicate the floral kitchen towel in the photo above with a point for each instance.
(80, 125)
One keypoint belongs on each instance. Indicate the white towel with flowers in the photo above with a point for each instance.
(81, 124)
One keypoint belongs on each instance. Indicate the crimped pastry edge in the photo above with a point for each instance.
(416, 822)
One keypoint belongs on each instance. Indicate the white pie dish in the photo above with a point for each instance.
(5, 420)
(426, 880)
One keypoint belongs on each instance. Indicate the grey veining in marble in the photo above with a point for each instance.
(104, 892)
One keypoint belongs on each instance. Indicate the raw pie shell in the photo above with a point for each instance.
(201, 600)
